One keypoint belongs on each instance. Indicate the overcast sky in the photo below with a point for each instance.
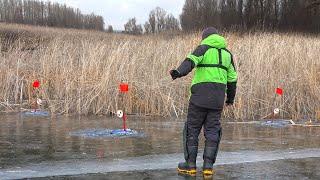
(117, 12)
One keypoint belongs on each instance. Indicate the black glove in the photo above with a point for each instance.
(231, 93)
(175, 74)
(229, 103)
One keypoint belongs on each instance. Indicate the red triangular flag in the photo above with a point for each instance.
(124, 87)
(36, 84)
(279, 91)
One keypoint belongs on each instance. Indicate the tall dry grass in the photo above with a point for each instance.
(80, 72)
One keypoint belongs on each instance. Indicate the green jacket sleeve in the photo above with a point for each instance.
(232, 82)
(197, 55)
(232, 73)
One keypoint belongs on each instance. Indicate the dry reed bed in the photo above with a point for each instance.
(81, 72)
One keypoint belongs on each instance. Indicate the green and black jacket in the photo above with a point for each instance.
(215, 73)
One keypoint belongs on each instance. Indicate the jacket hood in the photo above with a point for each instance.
(215, 40)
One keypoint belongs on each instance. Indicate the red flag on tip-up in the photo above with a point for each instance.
(36, 84)
(279, 91)
(124, 87)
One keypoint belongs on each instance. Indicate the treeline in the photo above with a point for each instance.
(301, 15)
(240, 15)
(252, 14)
(47, 14)
(159, 21)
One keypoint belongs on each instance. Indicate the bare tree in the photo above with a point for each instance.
(157, 20)
(160, 21)
(110, 29)
(171, 23)
(152, 21)
(147, 28)
(131, 27)
(197, 14)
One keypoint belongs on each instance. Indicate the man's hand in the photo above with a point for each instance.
(175, 74)
(231, 93)
(229, 103)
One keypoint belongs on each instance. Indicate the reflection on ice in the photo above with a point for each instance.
(154, 162)
(278, 123)
(105, 133)
(38, 113)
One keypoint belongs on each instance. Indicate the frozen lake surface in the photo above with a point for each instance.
(42, 147)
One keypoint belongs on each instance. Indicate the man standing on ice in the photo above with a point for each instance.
(215, 75)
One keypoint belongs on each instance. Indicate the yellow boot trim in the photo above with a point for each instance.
(190, 172)
(208, 172)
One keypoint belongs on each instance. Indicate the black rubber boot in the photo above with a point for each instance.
(189, 166)
(209, 158)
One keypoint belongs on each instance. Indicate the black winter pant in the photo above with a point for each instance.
(199, 117)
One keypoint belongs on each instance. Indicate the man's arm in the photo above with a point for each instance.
(232, 83)
(190, 62)
(186, 67)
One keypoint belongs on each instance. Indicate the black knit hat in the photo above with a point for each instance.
(209, 31)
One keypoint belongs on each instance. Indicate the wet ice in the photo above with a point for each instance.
(105, 133)
(41, 147)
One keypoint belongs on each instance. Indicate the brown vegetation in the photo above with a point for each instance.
(80, 72)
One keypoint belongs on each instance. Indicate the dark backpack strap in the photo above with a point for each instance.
(220, 56)
(214, 65)
(232, 62)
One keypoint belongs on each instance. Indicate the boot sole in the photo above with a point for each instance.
(188, 172)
